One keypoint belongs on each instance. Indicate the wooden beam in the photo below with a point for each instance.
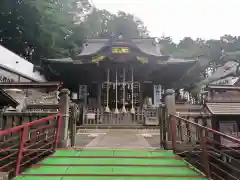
(30, 113)
(31, 85)
(43, 106)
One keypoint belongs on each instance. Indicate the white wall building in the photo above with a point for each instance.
(13, 68)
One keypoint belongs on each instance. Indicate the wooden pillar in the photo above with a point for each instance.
(73, 123)
(141, 100)
(99, 94)
(1, 122)
(64, 109)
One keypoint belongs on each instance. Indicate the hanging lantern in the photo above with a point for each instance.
(123, 84)
(132, 109)
(116, 91)
(107, 109)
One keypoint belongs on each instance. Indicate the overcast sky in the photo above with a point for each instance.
(179, 18)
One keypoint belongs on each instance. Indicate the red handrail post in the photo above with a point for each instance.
(20, 153)
(204, 153)
(173, 132)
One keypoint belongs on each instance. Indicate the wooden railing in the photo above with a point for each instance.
(213, 152)
(28, 143)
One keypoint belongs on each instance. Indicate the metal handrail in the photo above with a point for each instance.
(205, 148)
(44, 137)
(208, 129)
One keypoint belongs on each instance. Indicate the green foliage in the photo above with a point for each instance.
(55, 28)
(35, 29)
(227, 48)
(102, 23)
(218, 51)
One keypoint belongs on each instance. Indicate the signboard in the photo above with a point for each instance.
(7, 77)
(157, 94)
(22, 79)
(90, 115)
(83, 93)
(143, 60)
(120, 50)
(96, 59)
(226, 81)
(229, 128)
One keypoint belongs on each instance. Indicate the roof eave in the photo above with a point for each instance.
(8, 99)
(60, 60)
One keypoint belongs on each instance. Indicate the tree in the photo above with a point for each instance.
(168, 47)
(218, 51)
(35, 29)
(57, 28)
(102, 23)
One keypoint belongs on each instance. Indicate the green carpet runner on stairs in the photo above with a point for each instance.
(111, 164)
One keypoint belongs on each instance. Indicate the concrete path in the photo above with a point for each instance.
(119, 140)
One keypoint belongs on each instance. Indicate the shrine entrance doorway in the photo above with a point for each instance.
(121, 101)
(121, 96)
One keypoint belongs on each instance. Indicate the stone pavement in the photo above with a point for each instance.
(119, 140)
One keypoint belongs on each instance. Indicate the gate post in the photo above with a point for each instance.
(1, 117)
(73, 123)
(170, 109)
(64, 109)
(1, 122)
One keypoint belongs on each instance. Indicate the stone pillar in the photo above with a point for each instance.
(170, 109)
(170, 101)
(64, 109)
(1, 117)
(4, 176)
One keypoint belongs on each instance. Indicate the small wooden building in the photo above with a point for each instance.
(223, 104)
(5, 101)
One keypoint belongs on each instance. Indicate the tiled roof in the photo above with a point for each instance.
(6, 99)
(224, 108)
